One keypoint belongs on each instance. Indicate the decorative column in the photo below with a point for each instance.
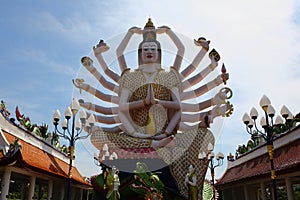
(23, 187)
(87, 194)
(246, 195)
(80, 192)
(263, 191)
(31, 187)
(50, 189)
(233, 193)
(5, 183)
(62, 191)
(289, 188)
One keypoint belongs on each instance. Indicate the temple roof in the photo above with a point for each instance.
(286, 159)
(38, 159)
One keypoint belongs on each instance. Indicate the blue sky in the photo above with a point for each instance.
(42, 43)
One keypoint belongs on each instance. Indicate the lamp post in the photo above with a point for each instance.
(212, 165)
(74, 133)
(269, 126)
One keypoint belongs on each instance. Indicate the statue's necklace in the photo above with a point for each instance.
(149, 73)
(150, 76)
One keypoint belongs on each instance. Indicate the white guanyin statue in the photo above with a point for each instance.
(152, 111)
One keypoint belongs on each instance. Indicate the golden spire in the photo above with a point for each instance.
(149, 35)
(149, 24)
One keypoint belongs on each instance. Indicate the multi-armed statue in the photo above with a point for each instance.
(152, 111)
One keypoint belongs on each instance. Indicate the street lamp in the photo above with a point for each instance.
(74, 134)
(212, 165)
(270, 128)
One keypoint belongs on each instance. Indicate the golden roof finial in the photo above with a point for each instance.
(149, 24)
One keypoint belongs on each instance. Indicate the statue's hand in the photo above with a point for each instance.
(141, 135)
(162, 29)
(159, 137)
(136, 30)
(220, 97)
(213, 63)
(221, 77)
(100, 48)
(225, 76)
(202, 42)
(148, 97)
(152, 97)
(186, 179)
(86, 61)
(77, 82)
(219, 110)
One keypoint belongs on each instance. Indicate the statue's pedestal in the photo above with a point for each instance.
(157, 166)
(129, 165)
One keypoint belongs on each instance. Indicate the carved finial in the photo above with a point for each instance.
(149, 24)
(214, 54)
(230, 110)
(223, 70)
(149, 34)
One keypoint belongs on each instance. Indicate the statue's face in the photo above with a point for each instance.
(113, 170)
(149, 53)
(191, 168)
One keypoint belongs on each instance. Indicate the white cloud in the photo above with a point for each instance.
(74, 28)
(43, 60)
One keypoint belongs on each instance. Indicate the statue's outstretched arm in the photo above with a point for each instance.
(216, 111)
(186, 127)
(114, 129)
(107, 120)
(193, 182)
(200, 76)
(98, 50)
(123, 45)
(218, 99)
(178, 44)
(88, 64)
(205, 47)
(189, 107)
(195, 117)
(203, 89)
(98, 109)
(96, 93)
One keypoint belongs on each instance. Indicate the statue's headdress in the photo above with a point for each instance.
(149, 35)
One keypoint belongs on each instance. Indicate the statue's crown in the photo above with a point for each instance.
(149, 34)
(149, 24)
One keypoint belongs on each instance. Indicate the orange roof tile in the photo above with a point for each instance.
(37, 159)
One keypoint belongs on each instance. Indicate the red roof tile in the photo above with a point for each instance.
(285, 158)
